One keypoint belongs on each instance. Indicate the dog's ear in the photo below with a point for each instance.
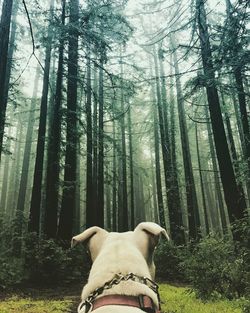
(153, 230)
(87, 234)
(94, 237)
(146, 236)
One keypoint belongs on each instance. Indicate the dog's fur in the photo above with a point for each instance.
(114, 253)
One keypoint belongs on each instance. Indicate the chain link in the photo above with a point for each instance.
(116, 280)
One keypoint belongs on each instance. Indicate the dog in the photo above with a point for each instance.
(123, 270)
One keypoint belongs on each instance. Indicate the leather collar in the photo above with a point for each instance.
(142, 302)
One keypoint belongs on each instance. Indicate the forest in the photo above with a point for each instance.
(115, 112)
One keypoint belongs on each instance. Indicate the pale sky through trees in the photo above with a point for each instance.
(134, 9)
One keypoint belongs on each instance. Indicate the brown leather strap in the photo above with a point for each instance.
(144, 303)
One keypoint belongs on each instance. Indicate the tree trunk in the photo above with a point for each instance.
(90, 207)
(192, 204)
(4, 43)
(174, 209)
(15, 173)
(157, 163)
(234, 199)
(236, 52)
(244, 118)
(220, 203)
(25, 169)
(175, 179)
(5, 182)
(131, 170)
(114, 176)
(108, 204)
(100, 187)
(95, 143)
(53, 162)
(201, 181)
(34, 218)
(124, 209)
(154, 191)
(65, 227)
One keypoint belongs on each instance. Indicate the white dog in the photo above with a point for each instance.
(120, 279)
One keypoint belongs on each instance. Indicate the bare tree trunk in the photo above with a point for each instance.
(114, 176)
(201, 181)
(154, 191)
(220, 203)
(90, 196)
(4, 44)
(192, 204)
(124, 226)
(5, 177)
(65, 226)
(53, 163)
(95, 141)
(15, 176)
(158, 167)
(100, 185)
(174, 206)
(131, 168)
(34, 218)
(234, 199)
(25, 170)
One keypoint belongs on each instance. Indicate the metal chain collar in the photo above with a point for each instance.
(87, 304)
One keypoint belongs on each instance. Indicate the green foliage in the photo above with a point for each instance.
(11, 271)
(215, 268)
(242, 230)
(46, 261)
(42, 262)
(167, 259)
(178, 299)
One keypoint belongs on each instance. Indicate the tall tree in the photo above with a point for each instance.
(4, 43)
(90, 205)
(124, 210)
(161, 213)
(174, 209)
(15, 171)
(192, 203)
(34, 218)
(22, 190)
(100, 165)
(131, 171)
(234, 199)
(114, 172)
(70, 178)
(201, 181)
(5, 175)
(235, 28)
(54, 143)
(217, 183)
(173, 145)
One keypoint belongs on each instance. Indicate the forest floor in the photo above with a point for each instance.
(176, 299)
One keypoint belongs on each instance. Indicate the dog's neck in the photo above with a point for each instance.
(107, 265)
(129, 288)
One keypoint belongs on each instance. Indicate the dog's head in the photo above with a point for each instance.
(141, 242)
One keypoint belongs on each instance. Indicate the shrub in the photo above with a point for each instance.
(214, 269)
(11, 268)
(47, 261)
(11, 271)
(167, 259)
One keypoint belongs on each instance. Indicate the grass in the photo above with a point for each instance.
(16, 304)
(182, 300)
(176, 300)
